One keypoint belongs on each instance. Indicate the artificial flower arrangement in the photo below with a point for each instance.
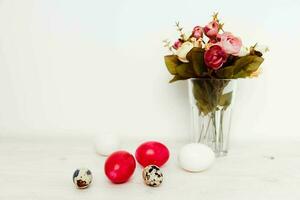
(212, 59)
(220, 55)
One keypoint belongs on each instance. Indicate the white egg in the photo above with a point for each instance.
(196, 157)
(105, 144)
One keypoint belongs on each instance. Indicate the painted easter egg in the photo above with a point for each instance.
(119, 166)
(152, 153)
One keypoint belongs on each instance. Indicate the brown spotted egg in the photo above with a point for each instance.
(152, 175)
(82, 178)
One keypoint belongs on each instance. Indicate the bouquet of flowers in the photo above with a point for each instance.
(218, 56)
(211, 64)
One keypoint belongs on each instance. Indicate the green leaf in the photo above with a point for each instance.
(242, 67)
(225, 72)
(185, 70)
(172, 62)
(180, 70)
(176, 78)
(204, 95)
(225, 100)
(196, 58)
(250, 64)
(208, 94)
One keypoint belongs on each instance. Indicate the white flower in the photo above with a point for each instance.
(183, 50)
(243, 51)
(261, 48)
(196, 43)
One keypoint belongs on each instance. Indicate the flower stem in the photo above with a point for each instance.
(215, 138)
(206, 132)
(221, 136)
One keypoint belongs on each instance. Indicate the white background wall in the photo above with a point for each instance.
(83, 67)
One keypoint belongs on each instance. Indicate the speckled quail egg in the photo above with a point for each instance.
(82, 178)
(152, 175)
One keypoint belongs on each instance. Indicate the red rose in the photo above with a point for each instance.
(177, 44)
(197, 32)
(215, 57)
(211, 30)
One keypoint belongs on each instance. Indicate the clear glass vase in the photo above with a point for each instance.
(211, 109)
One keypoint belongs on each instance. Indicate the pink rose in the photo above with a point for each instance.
(212, 29)
(197, 32)
(215, 57)
(230, 43)
(177, 44)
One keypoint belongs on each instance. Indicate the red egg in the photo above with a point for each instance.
(152, 153)
(119, 166)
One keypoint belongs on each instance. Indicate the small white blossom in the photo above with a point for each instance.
(183, 51)
(196, 43)
(243, 51)
(261, 48)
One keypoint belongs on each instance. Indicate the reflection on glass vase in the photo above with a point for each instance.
(211, 108)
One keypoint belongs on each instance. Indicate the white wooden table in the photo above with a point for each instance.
(39, 169)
